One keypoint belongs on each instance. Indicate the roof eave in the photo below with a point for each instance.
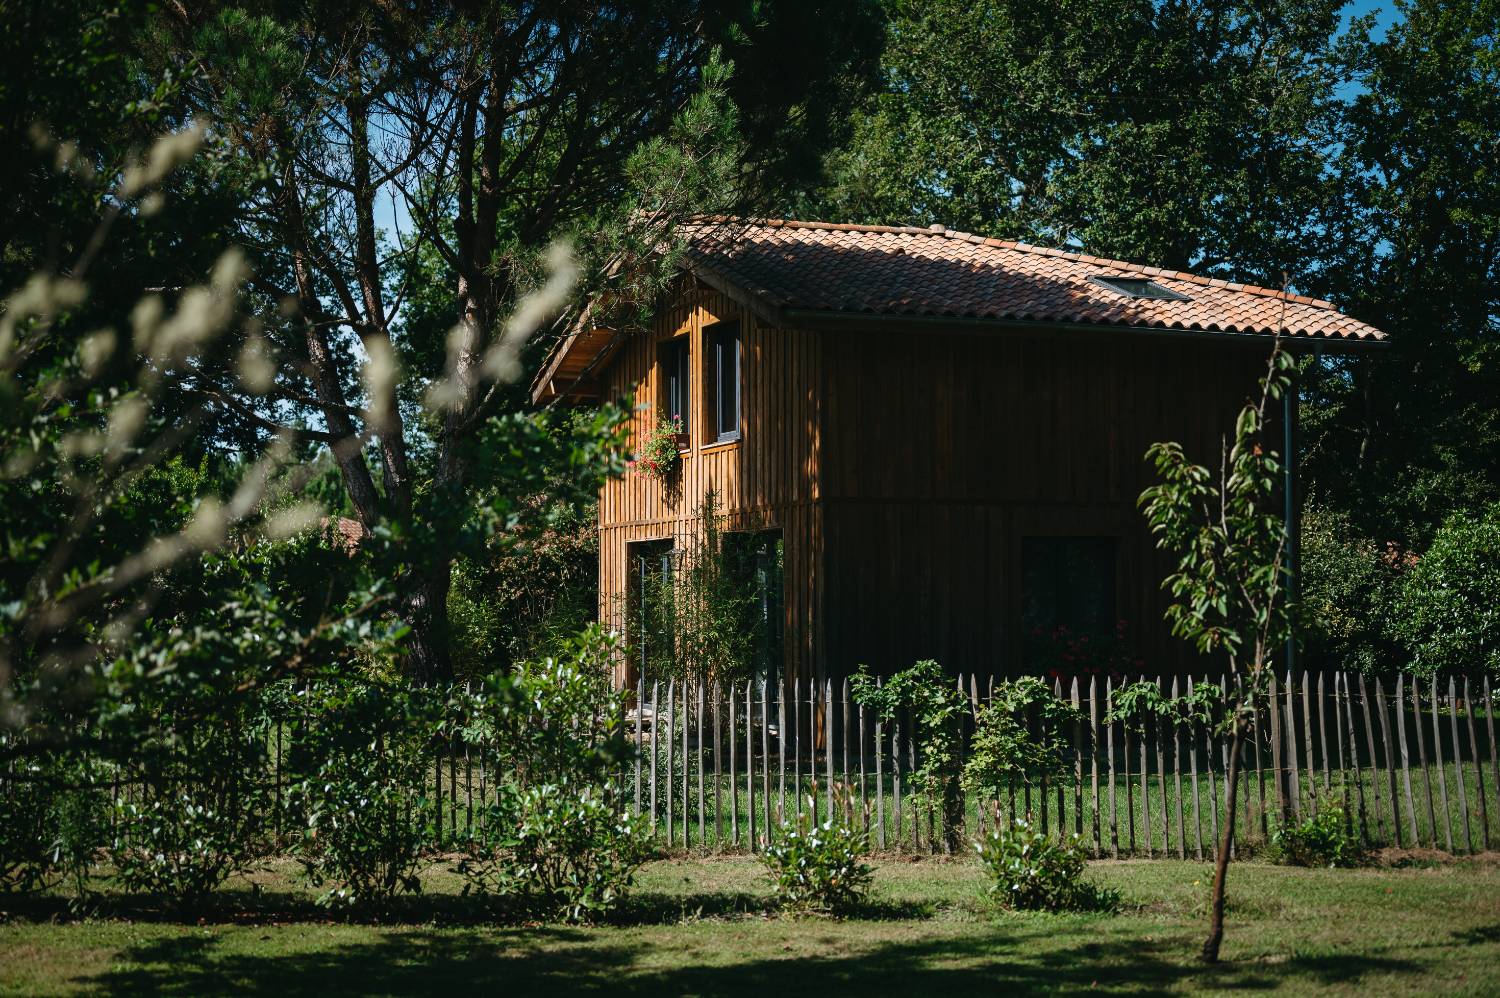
(827, 319)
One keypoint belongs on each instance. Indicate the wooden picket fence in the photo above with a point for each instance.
(1412, 763)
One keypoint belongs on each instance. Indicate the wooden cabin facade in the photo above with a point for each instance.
(946, 433)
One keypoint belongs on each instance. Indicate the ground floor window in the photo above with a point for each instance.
(712, 609)
(1067, 595)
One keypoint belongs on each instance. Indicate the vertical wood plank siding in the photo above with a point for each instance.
(941, 451)
(904, 469)
(768, 479)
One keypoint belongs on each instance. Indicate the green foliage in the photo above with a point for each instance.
(1229, 587)
(1139, 701)
(1449, 604)
(1402, 440)
(1030, 871)
(526, 578)
(1134, 129)
(702, 618)
(569, 851)
(819, 867)
(560, 843)
(56, 821)
(658, 456)
(359, 764)
(1347, 587)
(935, 706)
(1021, 736)
(1321, 839)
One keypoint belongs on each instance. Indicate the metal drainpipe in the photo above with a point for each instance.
(1291, 518)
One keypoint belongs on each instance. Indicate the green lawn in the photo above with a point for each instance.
(700, 926)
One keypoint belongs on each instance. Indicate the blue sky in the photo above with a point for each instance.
(390, 213)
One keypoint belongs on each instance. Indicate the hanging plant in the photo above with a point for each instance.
(659, 456)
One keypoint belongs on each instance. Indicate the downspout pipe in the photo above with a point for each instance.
(1292, 511)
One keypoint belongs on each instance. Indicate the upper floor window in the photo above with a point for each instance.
(723, 346)
(673, 356)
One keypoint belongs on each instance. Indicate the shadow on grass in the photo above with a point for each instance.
(562, 960)
(250, 906)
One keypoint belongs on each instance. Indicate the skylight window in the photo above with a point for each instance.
(1138, 287)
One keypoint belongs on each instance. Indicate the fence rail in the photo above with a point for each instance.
(1412, 762)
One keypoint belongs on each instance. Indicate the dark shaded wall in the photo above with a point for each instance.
(941, 451)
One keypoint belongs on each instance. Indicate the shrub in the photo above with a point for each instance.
(359, 794)
(199, 811)
(1449, 607)
(54, 826)
(1031, 872)
(1346, 588)
(1322, 839)
(819, 868)
(936, 709)
(561, 852)
(559, 842)
(1005, 750)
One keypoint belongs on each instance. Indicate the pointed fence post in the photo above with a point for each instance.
(1094, 759)
(1400, 705)
(750, 761)
(640, 735)
(1359, 776)
(1109, 765)
(734, 783)
(1437, 752)
(1458, 765)
(1193, 770)
(1283, 787)
(765, 769)
(1364, 708)
(655, 699)
(1177, 774)
(1484, 807)
(879, 771)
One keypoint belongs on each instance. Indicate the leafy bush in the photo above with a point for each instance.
(1032, 872)
(1346, 588)
(1005, 750)
(1321, 839)
(1449, 607)
(819, 868)
(198, 764)
(936, 709)
(55, 823)
(359, 793)
(559, 843)
(562, 852)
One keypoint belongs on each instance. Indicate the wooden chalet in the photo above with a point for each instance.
(943, 432)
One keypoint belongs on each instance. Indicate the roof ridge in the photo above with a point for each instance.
(1013, 244)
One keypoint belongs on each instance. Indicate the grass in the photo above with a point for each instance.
(701, 925)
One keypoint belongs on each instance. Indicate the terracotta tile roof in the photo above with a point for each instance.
(941, 273)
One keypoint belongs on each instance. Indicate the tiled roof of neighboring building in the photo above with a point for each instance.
(939, 273)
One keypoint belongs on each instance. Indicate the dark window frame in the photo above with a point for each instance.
(674, 357)
(724, 353)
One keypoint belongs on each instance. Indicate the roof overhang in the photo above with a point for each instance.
(828, 320)
(572, 368)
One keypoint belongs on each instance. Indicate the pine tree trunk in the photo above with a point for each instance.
(424, 609)
(1226, 842)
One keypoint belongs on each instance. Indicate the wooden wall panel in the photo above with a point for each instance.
(944, 450)
(766, 480)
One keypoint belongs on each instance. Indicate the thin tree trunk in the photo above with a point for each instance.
(1226, 843)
